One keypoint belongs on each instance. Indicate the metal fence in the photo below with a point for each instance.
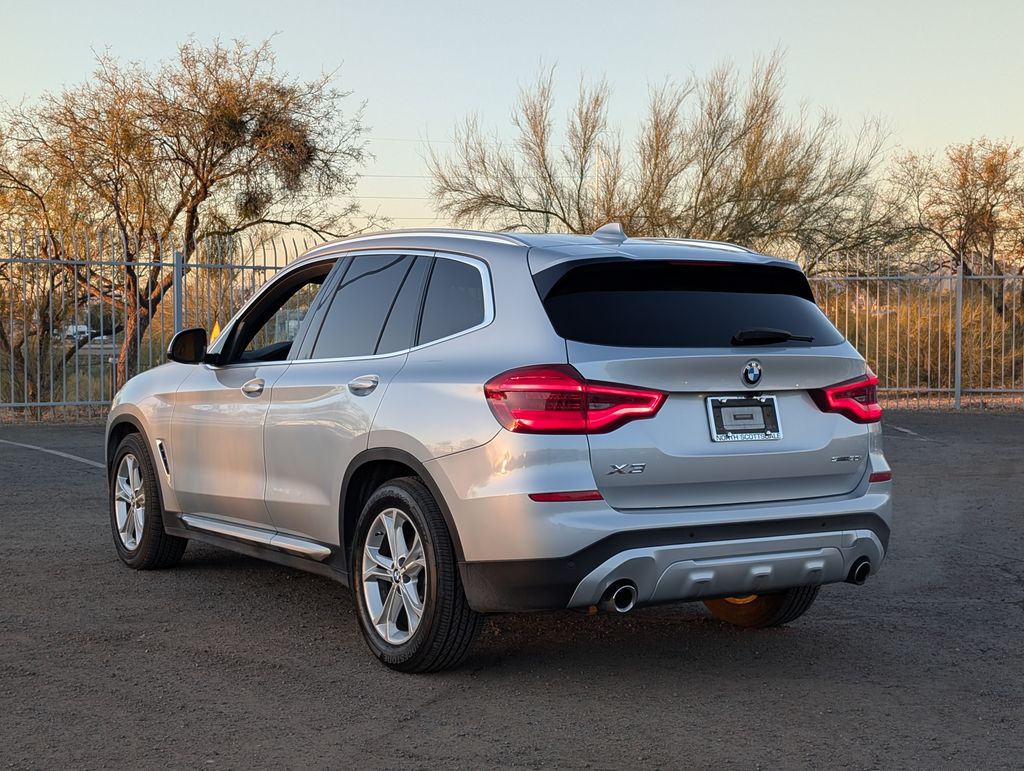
(67, 305)
(935, 338)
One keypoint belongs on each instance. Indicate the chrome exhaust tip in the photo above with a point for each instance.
(859, 572)
(620, 598)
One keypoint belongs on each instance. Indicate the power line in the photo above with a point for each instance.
(416, 141)
(393, 217)
(493, 143)
(395, 197)
(396, 176)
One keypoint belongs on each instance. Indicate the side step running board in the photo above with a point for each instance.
(288, 543)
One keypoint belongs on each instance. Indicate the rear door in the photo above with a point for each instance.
(719, 438)
(324, 404)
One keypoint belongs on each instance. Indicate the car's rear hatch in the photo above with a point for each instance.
(671, 325)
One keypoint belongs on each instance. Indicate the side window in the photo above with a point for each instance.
(269, 328)
(283, 325)
(361, 305)
(400, 328)
(454, 301)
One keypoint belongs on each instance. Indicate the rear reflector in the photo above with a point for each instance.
(556, 399)
(578, 495)
(856, 399)
(880, 476)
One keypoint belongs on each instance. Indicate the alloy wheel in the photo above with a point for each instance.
(394, 576)
(129, 502)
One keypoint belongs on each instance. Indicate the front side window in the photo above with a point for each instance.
(281, 328)
(269, 328)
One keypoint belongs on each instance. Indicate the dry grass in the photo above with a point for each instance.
(907, 332)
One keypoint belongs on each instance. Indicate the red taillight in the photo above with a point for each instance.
(856, 399)
(880, 476)
(555, 399)
(574, 495)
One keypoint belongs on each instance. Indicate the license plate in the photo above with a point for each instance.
(743, 418)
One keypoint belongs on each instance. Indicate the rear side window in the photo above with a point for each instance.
(400, 328)
(664, 304)
(361, 305)
(454, 301)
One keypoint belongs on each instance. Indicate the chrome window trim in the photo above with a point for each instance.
(488, 298)
(240, 364)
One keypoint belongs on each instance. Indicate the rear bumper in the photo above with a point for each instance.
(520, 554)
(685, 563)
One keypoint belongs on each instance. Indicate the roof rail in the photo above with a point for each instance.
(476, 235)
(698, 242)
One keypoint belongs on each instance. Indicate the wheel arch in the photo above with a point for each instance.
(117, 430)
(120, 426)
(368, 470)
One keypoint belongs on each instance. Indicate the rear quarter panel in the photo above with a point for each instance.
(435, 406)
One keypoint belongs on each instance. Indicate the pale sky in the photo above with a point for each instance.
(936, 71)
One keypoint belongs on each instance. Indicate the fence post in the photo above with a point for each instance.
(179, 280)
(959, 352)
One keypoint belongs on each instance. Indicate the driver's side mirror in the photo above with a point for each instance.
(188, 346)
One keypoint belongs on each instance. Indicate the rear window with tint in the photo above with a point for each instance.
(454, 301)
(655, 304)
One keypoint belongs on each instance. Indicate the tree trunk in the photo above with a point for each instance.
(991, 289)
(136, 322)
(15, 371)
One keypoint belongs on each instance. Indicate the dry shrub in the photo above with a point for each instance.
(906, 329)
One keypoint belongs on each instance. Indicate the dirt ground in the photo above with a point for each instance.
(226, 661)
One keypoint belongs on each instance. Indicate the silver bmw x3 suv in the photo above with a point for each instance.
(456, 423)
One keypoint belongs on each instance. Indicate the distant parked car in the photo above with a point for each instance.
(77, 332)
(468, 422)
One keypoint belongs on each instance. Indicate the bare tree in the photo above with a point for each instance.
(715, 157)
(969, 203)
(215, 142)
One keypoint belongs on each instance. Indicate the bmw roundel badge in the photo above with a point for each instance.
(752, 373)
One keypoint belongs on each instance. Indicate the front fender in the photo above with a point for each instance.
(146, 405)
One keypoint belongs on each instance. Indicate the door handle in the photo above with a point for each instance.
(253, 388)
(363, 385)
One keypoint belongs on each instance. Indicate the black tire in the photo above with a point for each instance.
(155, 548)
(764, 610)
(448, 625)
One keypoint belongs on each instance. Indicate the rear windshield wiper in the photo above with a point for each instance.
(767, 336)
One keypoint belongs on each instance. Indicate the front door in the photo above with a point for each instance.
(218, 464)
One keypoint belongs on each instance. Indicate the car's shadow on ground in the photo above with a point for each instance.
(654, 638)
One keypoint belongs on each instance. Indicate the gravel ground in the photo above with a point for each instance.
(225, 661)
